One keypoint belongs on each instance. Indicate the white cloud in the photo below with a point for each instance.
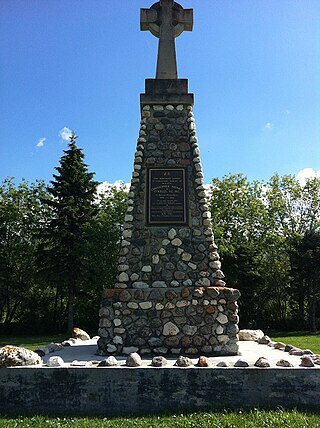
(41, 142)
(268, 125)
(306, 173)
(65, 133)
(118, 184)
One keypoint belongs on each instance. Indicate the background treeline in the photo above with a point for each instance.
(59, 245)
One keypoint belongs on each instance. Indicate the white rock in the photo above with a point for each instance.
(247, 334)
(172, 233)
(146, 269)
(192, 266)
(222, 318)
(127, 233)
(55, 361)
(155, 259)
(77, 333)
(132, 305)
(123, 268)
(117, 322)
(186, 257)
(170, 329)
(223, 338)
(123, 277)
(159, 306)
(182, 303)
(145, 305)
(206, 214)
(177, 242)
(16, 356)
(219, 329)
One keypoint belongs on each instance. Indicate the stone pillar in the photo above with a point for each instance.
(170, 296)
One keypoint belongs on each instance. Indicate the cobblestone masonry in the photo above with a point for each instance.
(187, 321)
(169, 295)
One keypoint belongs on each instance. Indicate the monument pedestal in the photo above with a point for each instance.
(170, 296)
(170, 321)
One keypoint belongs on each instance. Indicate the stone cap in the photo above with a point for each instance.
(162, 91)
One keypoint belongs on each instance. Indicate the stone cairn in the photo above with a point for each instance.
(170, 296)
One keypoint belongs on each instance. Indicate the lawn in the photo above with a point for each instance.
(237, 419)
(31, 342)
(300, 339)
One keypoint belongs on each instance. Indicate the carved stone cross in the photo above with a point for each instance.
(166, 20)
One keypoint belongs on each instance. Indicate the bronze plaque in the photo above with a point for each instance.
(167, 196)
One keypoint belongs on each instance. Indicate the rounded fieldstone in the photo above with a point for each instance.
(109, 362)
(306, 361)
(203, 361)
(241, 363)
(288, 348)
(183, 362)
(123, 277)
(170, 329)
(172, 341)
(124, 296)
(222, 364)
(155, 341)
(159, 361)
(179, 275)
(262, 362)
(283, 363)
(17, 356)
(280, 345)
(265, 340)
(222, 319)
(189, 330)
(172, 234)
(133, 360)
(55, 361)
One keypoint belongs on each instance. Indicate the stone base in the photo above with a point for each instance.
(169, 321)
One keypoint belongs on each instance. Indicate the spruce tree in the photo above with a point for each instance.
(62, 248)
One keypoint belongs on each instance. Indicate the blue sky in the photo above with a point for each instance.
(253, 65)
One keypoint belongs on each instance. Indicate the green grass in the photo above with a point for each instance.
(300, 339)
(31, 342)
(237, 419)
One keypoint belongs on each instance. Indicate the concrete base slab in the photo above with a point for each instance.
(111, 391)
(251, 351)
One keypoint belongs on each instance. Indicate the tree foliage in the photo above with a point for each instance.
(63, 240)
(257, 225)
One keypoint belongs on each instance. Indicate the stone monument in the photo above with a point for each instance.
(170, 297)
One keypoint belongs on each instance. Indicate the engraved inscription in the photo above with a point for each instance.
(167, 196)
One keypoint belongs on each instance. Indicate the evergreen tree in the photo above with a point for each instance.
(62, 250)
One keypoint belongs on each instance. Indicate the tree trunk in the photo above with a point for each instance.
(312, 314)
